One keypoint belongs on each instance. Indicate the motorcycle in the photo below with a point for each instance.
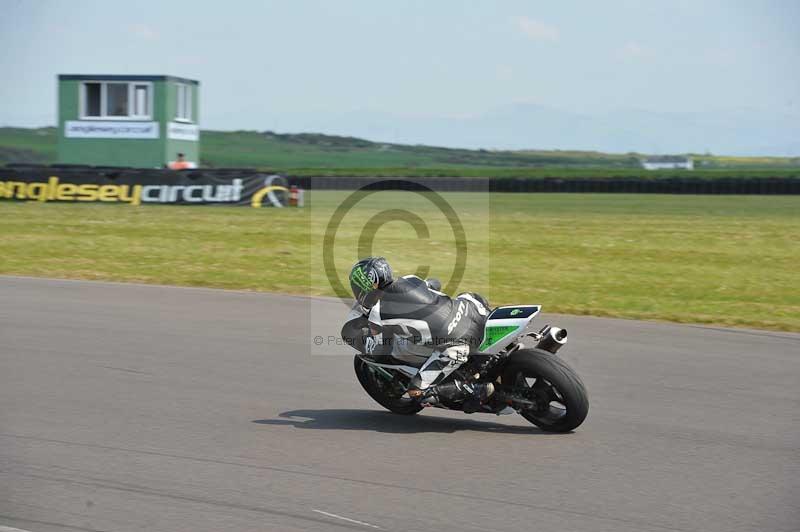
(532, 381)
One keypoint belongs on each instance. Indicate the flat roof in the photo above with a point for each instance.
(120, 77)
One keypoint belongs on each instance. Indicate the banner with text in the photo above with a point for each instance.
(87, 129)
(157, 187)
(180, 131)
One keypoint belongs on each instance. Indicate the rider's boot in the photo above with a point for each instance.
(479, 396)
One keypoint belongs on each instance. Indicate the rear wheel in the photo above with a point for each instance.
(558, 394)
(387, 394)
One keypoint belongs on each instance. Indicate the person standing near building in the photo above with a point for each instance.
(180, 163)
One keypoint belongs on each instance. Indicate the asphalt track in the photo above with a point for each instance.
(127, 407)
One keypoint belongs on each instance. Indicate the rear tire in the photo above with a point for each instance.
(374, 388)
(560, 393)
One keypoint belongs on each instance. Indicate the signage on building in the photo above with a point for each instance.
(102, 129)
(179, 131)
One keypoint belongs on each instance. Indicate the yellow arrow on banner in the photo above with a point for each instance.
(258, 197)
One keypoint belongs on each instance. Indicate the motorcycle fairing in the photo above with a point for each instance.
(407, 370)
(503, 326)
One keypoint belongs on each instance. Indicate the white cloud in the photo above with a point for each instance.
(505, 72)
(536, 29)
(724, 57)
(635, 50)
(143, 31)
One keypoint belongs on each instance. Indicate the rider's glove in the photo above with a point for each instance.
(434, 284)
(457, 353)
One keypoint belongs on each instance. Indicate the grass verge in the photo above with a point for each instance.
(726, 260)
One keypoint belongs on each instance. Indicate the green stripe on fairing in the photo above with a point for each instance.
(497, 333)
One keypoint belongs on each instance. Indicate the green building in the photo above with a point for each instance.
(138, 121)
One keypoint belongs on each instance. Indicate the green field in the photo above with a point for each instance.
(727, 260)
(320, 155)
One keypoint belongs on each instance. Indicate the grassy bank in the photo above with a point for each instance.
(727, 260)
(318, 155)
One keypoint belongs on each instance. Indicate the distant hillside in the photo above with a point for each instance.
(733, 131)
(307, 150)
(309, 153)
(19, 145)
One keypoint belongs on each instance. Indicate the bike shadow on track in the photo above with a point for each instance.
(380, 421)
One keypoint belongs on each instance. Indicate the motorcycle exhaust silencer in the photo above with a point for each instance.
(553, 339)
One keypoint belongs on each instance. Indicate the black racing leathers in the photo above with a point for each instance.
(414, 325)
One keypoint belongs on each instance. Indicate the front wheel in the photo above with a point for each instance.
(557, 393)
(387, 394)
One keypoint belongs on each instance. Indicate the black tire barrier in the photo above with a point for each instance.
(751, 186)
(671, 185)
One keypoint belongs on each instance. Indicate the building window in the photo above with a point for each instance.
(92, 99)
(141, 100)
(183, 108)
(116, 100)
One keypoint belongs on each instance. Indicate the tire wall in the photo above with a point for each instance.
(655, 185)
(598, 185)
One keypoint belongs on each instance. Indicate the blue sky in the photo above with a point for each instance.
(272, 65)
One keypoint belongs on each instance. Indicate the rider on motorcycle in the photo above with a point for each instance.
(410, 321)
